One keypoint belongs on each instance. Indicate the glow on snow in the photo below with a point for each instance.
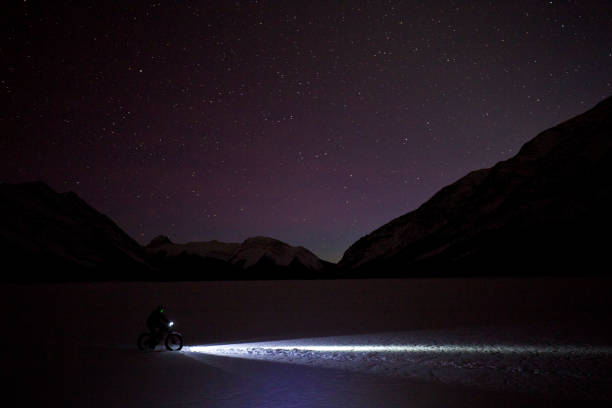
(245, 349)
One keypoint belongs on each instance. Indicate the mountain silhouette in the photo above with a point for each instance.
(256, 257)
(545, 211)
(50, 236)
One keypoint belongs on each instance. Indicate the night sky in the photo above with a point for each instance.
(310, 122)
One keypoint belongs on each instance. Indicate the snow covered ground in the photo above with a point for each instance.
(375, 343)
(485, 358)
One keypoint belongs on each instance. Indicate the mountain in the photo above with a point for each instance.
(260, 252)
(256, 257)
(207, 249)
(50, 236)
(547, 210)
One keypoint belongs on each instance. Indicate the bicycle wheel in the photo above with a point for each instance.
(174, 341)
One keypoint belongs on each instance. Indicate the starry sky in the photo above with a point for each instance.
(313, 122)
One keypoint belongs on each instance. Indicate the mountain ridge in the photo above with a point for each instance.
(555, 182)
(542, 211)
(42, 230)
(251, 253)
(51, 236)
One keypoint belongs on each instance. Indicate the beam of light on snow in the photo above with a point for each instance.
(516, 365)
(397, 356)
(253, 350)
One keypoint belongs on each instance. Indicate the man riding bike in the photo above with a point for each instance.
(159, 327)
(157, 322)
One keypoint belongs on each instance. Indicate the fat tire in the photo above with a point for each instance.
(174, 341)
(143, 342)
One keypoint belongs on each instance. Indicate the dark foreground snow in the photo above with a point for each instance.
(376, 343)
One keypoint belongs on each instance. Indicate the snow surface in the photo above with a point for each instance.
(484, 358)
(466, 343)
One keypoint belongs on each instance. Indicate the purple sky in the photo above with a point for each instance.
(313, 122)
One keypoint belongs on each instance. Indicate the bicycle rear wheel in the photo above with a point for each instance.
(145, 342)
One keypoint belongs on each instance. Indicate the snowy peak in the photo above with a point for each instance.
(206, 249)
(159, 241)
(257, 249)
(256, 252)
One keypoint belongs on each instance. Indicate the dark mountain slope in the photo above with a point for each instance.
(50, 236)
(45, 235)
(545, 211)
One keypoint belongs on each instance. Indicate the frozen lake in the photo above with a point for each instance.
(383, 343)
